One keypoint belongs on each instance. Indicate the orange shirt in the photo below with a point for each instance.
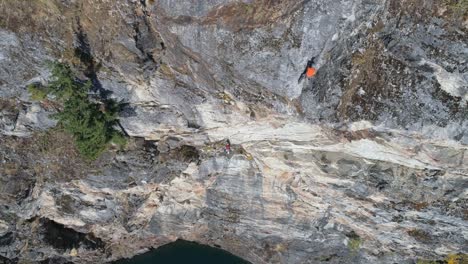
(310, 72)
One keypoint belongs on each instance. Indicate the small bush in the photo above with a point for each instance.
(64, 83)
(354, 242)
(119, 139)
(91, 123)
(37, 92)
(457, 258)
(458, 7)
(450, 259)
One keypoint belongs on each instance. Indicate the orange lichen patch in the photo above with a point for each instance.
(240, 15)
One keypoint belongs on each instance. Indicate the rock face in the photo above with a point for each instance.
(366, 163)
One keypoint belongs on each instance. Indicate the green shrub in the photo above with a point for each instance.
(37, 92)
(64, 83)
(458, 7)
(354, 242)
(91, 123)
(119, 139)
(449, 259)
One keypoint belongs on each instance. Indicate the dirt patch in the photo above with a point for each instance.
(420, 235)
(46, 17)
(102, 21)
(373, 80)
(8, 105)
(46, 156)
(456, 10)
(240, 15)
(422, 11)
(27, 16)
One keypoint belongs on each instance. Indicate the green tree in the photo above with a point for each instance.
(92, 124)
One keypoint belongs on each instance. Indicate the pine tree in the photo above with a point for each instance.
(92, 124)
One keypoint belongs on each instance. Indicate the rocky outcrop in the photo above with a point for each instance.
(366, 163)
(405, 67)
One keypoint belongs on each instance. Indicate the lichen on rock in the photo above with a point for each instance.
(365, 163)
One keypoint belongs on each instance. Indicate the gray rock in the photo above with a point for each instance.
(305, 182)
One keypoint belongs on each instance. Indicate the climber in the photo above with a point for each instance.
(227, 148)
(309, 71)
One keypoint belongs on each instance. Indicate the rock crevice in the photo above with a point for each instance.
(365, 163)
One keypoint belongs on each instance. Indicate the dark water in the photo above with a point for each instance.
(185, 252)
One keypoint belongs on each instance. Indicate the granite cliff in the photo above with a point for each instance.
(365, 163)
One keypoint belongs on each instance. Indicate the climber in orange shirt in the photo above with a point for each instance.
(309, 71)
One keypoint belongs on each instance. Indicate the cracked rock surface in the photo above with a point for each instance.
(365, 163)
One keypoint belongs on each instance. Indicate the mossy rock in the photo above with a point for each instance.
(37, 91)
